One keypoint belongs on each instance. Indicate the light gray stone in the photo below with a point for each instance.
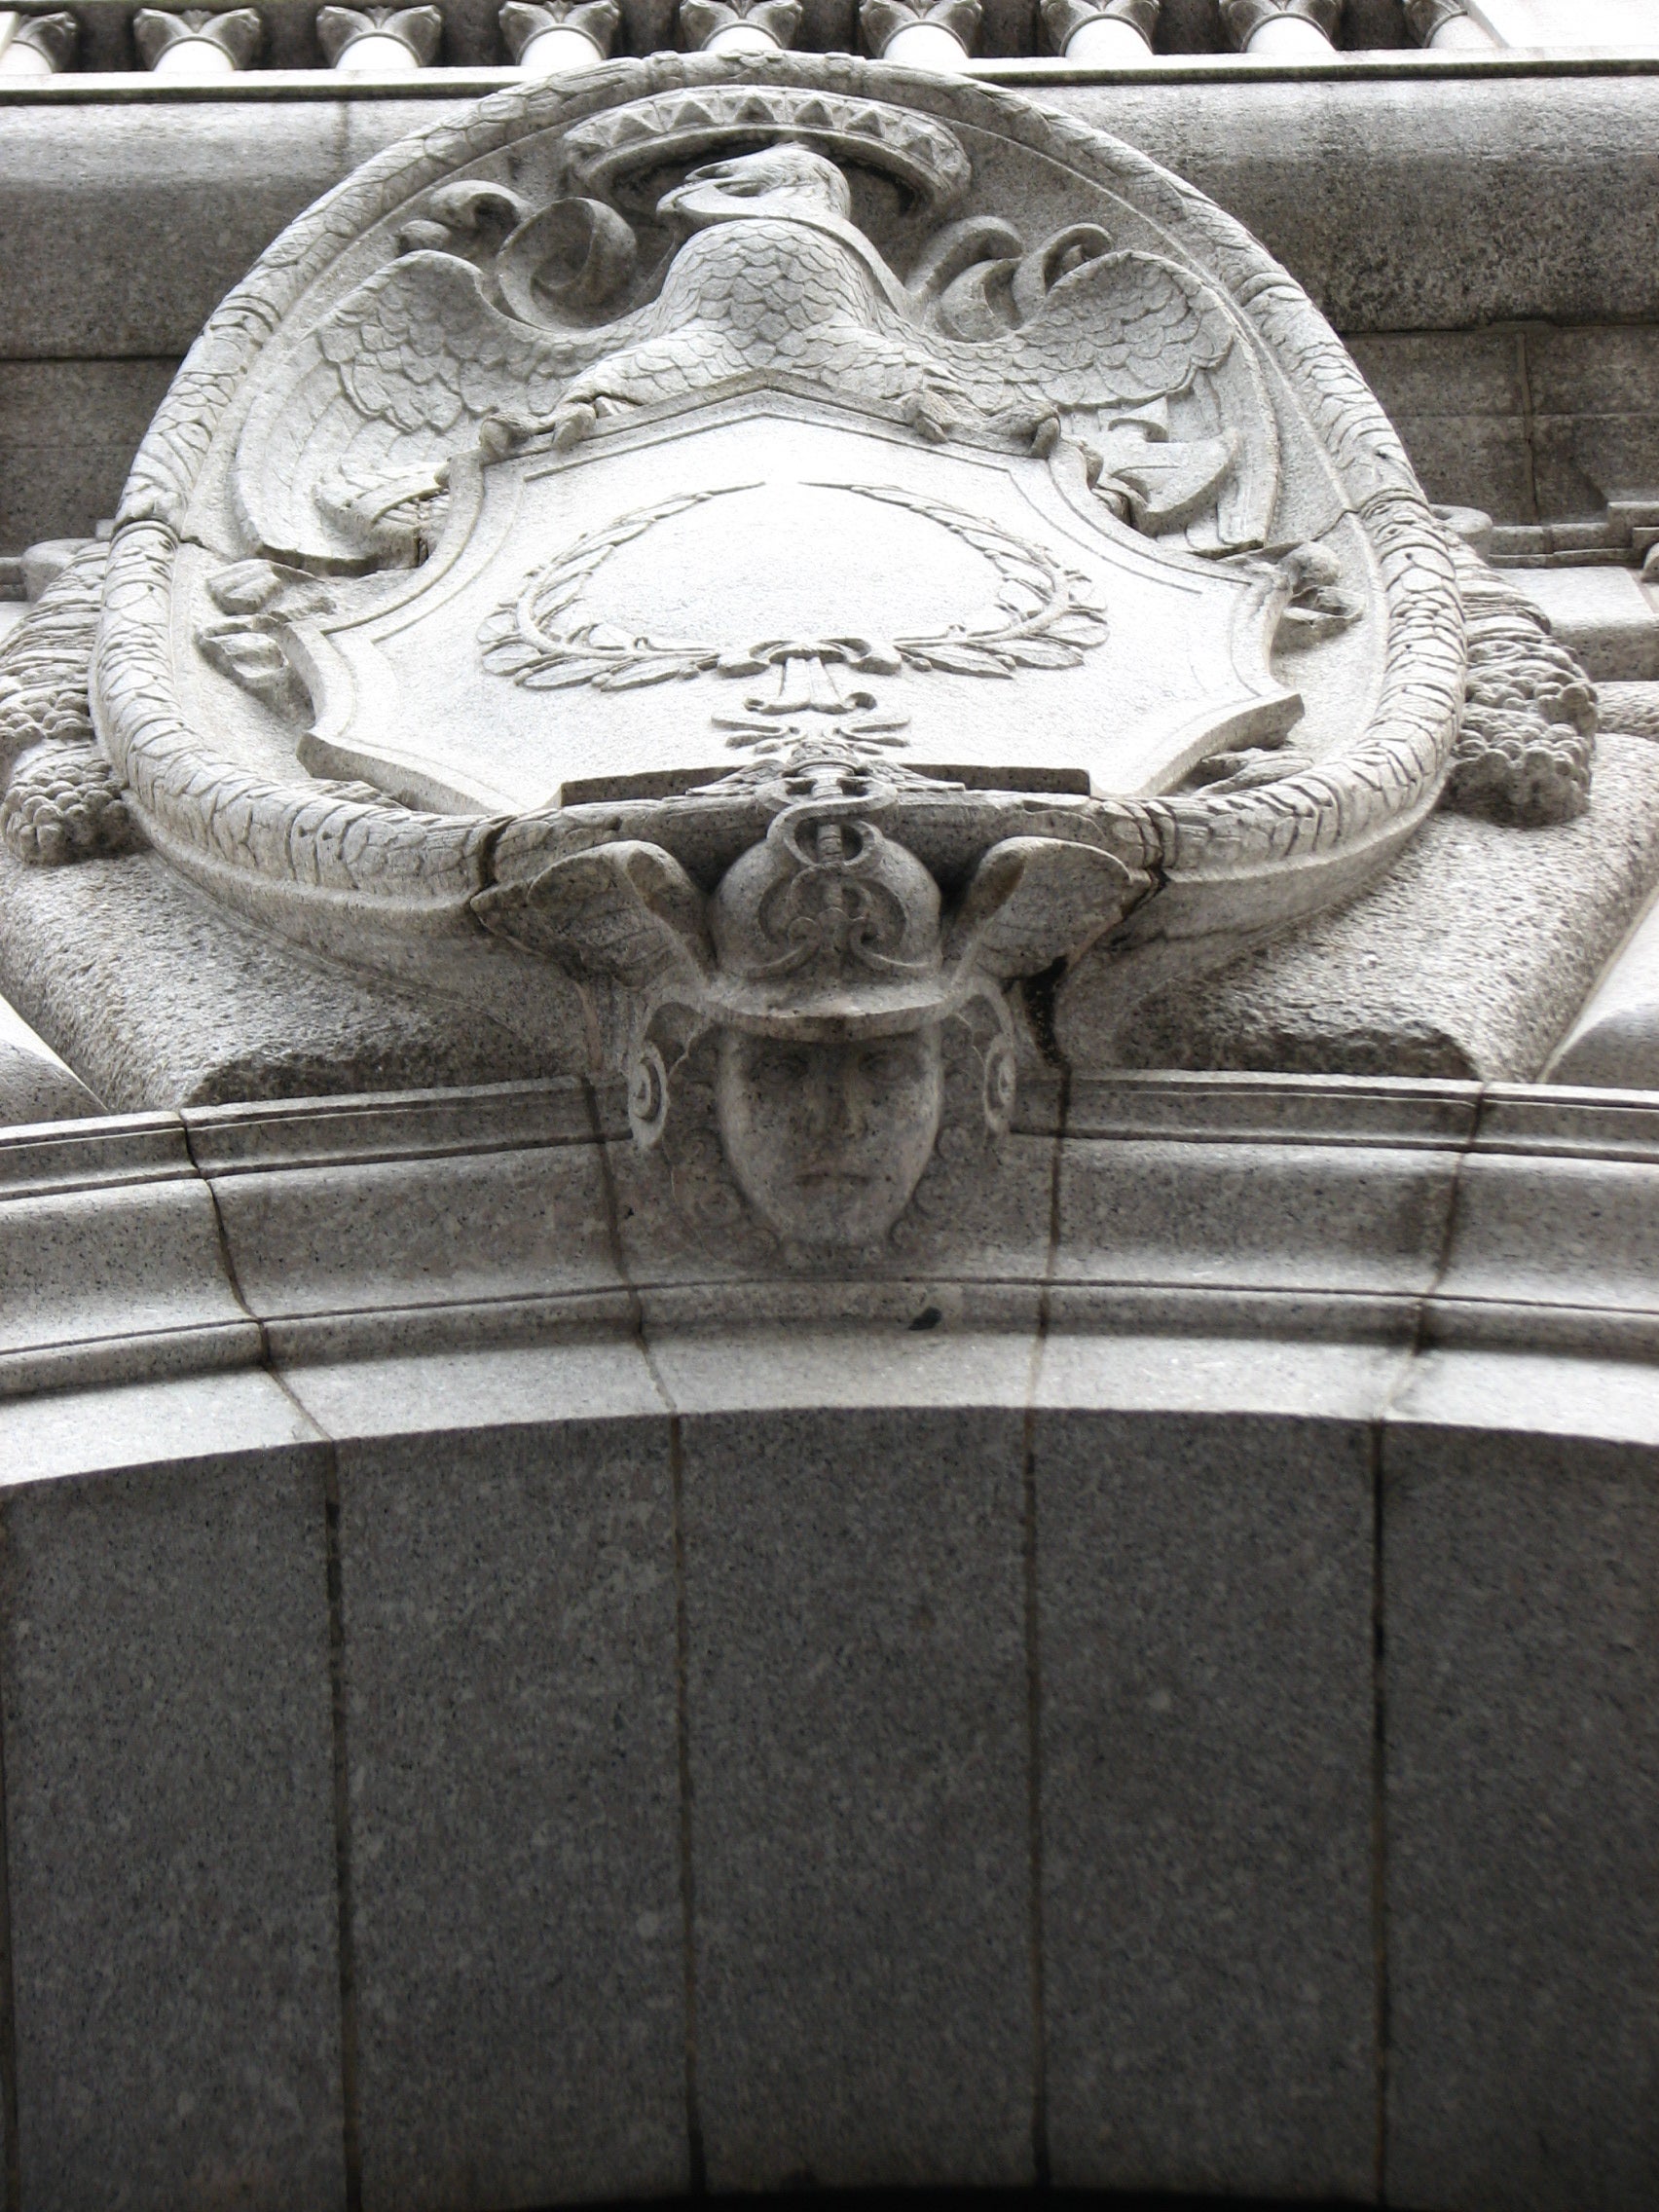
(110, 1262)
(1545, 1190)
(518, 1935)
(1470, 959)
(170, 1837)
(169, 1000)
(1607, 615)
(57, 1434)
(455, 1390)
(1523, 1789)
(1440, 177)
(1617, 26)
(856, 1706)
(1614, 1043)
(35, 1086)
(335, 756)
(855, 1700)
(1210, 1972)
(341, 1251)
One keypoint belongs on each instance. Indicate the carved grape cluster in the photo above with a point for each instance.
(63, 804)
(1527, 742)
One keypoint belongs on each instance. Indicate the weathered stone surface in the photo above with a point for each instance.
(1469, 959)
(510, 1734)
(1615, 1041)
(1205, 1607)
(856, 1707)
(1521, 1792)
(170, 1837)
(354, 744)
(68, 431)
(1438, 176)
(35, 1086)
(1608, 617)
(109, 1240)
(167, 1000)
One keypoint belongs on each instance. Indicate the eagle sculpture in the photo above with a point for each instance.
(1123, 356)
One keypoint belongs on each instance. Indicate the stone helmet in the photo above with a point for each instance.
(827, 929)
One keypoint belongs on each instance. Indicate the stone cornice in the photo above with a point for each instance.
(1272, 1207)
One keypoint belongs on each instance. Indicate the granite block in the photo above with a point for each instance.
(1473, 460)
(856, 1694)
(1616, 1400)
(1525, 1226)
(68, 431)
(171, 1832)
(1182, 1373)
(1602, 370)
(1358, 1221)
(805, 1369)
(1616, 1040)
(1582, 461)
(1523, 1799)
(1440, 373)
(1469, 959)
(196, 1416)
(35, 1086)
(1606, 616)
(192, 193)
(517, 1926)
(1445, 203)
(453, 1390)
(170, 1000)
(1205, 1607)
(110, 1264)
(377, 1242)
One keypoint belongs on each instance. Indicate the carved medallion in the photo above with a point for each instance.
(799, 547)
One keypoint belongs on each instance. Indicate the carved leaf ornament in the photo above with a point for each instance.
(1047, 620)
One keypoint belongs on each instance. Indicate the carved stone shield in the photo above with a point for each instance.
(709, 586)
(624, 443)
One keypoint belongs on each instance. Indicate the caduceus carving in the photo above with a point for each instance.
(1121, 354)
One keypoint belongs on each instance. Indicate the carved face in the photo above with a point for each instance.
(828, 1141)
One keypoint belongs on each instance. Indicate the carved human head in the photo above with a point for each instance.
(830, 996)
(827, 983)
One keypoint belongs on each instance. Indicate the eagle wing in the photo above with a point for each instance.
(394, 381)
(1121, 331)
(1132, 331)
(626, 910)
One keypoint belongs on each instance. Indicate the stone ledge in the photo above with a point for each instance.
(1281, 1209)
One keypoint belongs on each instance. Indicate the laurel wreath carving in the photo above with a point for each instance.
(1047, 620)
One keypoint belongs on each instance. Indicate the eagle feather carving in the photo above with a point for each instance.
(1133, 357)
